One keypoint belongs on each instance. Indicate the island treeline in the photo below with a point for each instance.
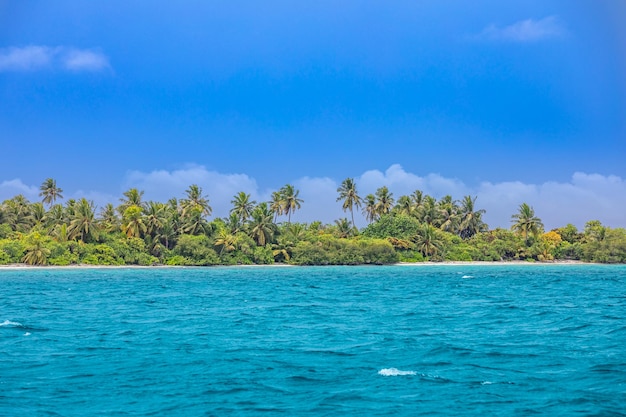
(413, 228)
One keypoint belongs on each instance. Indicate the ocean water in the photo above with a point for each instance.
(519, 340)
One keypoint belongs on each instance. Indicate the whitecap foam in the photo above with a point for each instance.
(467, 276)
(10, 323)
(27, 334)
(395, 372)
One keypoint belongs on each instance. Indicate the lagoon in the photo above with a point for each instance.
(378, 341)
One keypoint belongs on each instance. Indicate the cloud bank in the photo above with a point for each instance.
(528, 30)
(584, 197)
(37, 57)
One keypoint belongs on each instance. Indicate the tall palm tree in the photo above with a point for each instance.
(447, 214)
(384, 201)
(404, 206)
(369, 208)
(418, 200)
(428, 211)
(242, 206)
(290, 200)
(133, 222)
(50, 192)
(471, 221)
(133, 198)
(276, 205)
(348, 193)
(17, 213)
(155, 213)
(262, 228)
(83, 224)
(525, 221)
(109, 221)
(195, 201)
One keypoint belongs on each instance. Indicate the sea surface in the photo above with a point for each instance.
(518, 340)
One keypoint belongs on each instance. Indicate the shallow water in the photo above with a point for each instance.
(429, 340)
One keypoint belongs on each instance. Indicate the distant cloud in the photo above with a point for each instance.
(528, 30)
(584, 197)
(11, 188)
(34, 57)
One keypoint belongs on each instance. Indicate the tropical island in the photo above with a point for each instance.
(414, 228)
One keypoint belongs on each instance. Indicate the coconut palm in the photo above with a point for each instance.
(289, 200)
(133, 222)
(54, 217)
(447, 214)
(50, 192)
(261, 227)
(155, 217)
(133, 198)
(369, 208)
(428, 241)
(195, 201)
(276, 205)
(225, 241)
(109, 221)
(418, 200)
(242, 206)
(343, 228)
(470, 219)
(405, 206)
(36, 252)
(428, 212)
(384, 201)
(82, 224)
(525, 221)
(16, 213)
(348, 193)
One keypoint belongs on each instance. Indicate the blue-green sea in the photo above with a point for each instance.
(518, 340)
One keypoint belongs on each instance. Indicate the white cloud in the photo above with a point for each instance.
(84, 60)
(584, 197)
(36, 57)
(11, 188)
(528, 30)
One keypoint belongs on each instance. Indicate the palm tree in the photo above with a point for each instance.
(343, 228)
(36, 251)
(276, 205)
(133, 198)
(133, 222)
(54, 217)
(109, 222)
(418, 200)
(470, 219)
(290, 201)
(428, 211)
(348, 193)
(369, 208)
(262, 227)
(225, 241)
(384, 201)
(404, 206)
(447, 216)
(83, 224)
(525, 221)
(17, 213)
(428, 241)
(50, 192)
(242, 206)
(155, 217)
(195, 201)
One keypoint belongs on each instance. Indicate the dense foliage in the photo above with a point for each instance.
(412, 228)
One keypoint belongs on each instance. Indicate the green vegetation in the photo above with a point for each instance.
(413, 228)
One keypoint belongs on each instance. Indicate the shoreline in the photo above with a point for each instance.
(10, 267)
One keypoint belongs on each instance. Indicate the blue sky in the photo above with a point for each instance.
(511, 101)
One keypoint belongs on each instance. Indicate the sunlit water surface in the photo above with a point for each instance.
(370, 341)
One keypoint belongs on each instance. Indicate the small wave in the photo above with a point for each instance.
(8, 323)
(27, 334)
(395, 372)
(467, 276)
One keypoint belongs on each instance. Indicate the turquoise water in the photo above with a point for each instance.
(367, 341)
